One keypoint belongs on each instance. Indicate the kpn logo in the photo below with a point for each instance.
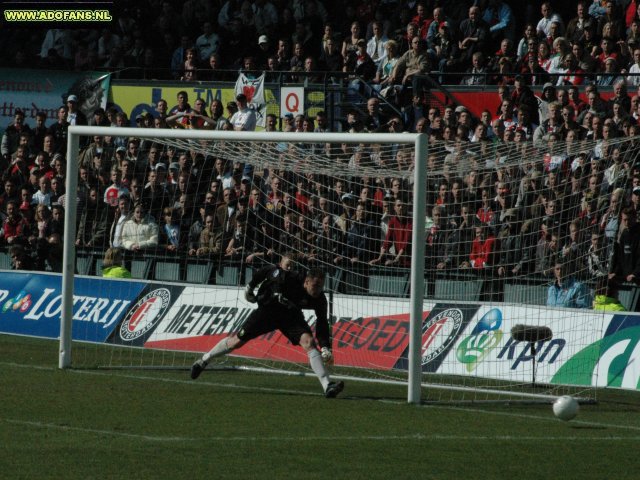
(483, 339)
(610, 362)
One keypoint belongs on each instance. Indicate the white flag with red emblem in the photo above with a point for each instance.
(253, 89)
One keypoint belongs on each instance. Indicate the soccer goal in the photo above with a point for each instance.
(439, 257)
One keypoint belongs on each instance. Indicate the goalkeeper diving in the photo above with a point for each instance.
(282, 295)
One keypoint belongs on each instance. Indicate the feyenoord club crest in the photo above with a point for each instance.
(145, 314)
(439, 333)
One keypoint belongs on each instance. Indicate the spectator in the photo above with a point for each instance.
(210, 242)
(500, 18)
(477, 74)
(245, 118)
(14, 227)
(473, 34)
(350, 45)
(376, 46)
(411, 65)
(140, 232)
(93, 222)
(173, 234)
(20, 259)
(112, 264)
(625, 264)
(482, 250)
(548, 18)
(578, 24)
(398, 238)
(566, 291)
(208, 43)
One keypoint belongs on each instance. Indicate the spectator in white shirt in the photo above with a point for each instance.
(376, 44)
(634, 78)
(245, 118)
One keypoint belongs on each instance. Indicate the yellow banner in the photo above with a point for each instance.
(137, 100)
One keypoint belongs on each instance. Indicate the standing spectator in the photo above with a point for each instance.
(245, 118)
(350, 44)
(59, 131)
(482, 250)
(93, 222)
(14, 227)
(11, 136)
(398, 237)
(566, 291)
(625, 264)
(140, 232)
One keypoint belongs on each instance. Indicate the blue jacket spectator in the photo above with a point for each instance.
(568, 292)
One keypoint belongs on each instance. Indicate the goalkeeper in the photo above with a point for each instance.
(282, 294)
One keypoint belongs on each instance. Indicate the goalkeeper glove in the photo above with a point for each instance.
(327, 356)
(248, 294)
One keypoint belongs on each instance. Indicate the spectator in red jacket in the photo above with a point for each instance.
(14, 225)
(482, 250)
(399, 237)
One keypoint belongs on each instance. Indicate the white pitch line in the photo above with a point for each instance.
(153, 438)
(350, 438)
(301, 392)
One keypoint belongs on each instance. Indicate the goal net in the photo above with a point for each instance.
(440, 262)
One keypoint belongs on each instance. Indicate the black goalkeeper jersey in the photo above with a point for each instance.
(272, 280)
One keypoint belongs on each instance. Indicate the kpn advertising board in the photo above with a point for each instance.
(577, 353)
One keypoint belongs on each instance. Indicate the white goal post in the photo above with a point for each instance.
(417, 141)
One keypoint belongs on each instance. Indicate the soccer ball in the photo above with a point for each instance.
(566, 408)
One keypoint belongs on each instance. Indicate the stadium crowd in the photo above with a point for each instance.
(546, 184)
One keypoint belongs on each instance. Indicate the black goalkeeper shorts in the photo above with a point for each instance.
(266, 319)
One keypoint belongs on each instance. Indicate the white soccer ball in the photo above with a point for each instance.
(566, 408)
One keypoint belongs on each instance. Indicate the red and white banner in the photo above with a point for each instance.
(253, 89)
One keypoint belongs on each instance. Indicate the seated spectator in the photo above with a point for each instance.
(411, 65)
(112, 264)
(566, 291)
(477, 74)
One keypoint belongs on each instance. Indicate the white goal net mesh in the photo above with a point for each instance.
(194, 219)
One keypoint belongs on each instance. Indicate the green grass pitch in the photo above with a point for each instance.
(161, 424)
